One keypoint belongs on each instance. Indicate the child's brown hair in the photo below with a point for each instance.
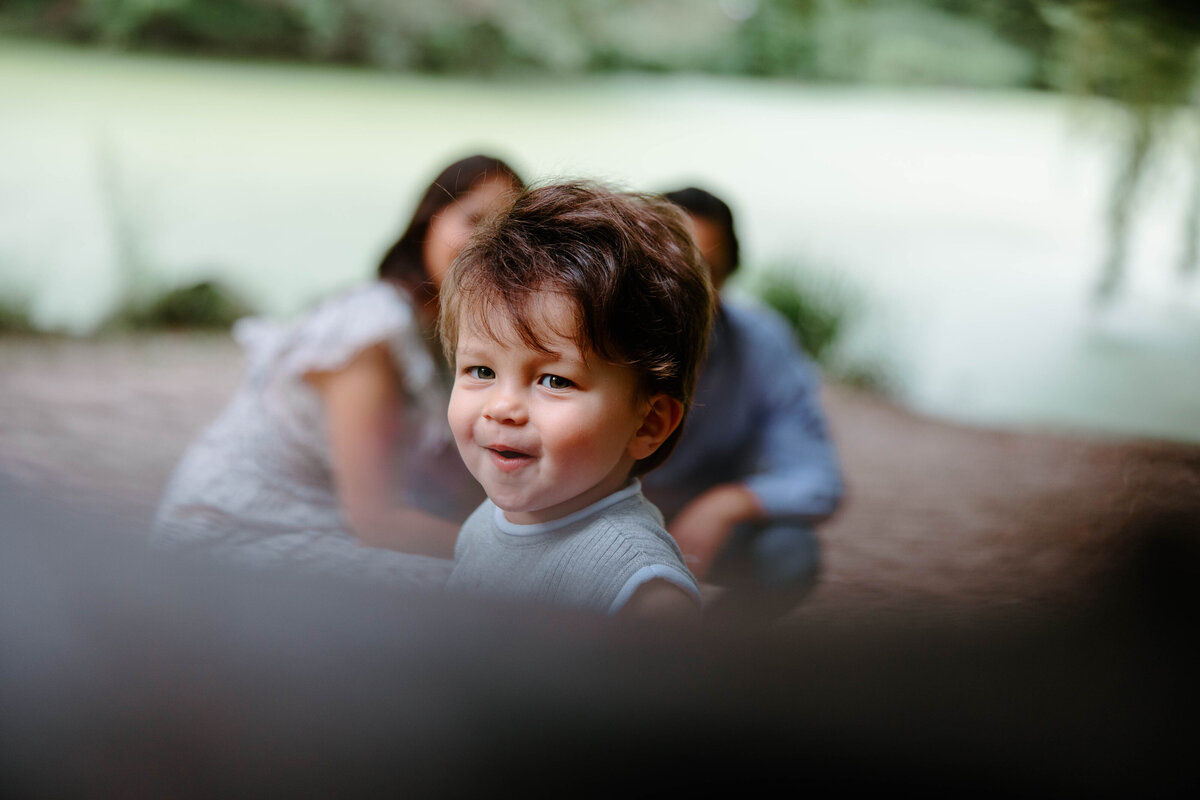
(625, 261)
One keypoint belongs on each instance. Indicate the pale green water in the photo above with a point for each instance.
(969, 221)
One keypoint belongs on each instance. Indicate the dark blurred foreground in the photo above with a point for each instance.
(126, 674)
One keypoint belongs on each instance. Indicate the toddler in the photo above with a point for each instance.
(576, 322)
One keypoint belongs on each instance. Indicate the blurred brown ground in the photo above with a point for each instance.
(940, 520)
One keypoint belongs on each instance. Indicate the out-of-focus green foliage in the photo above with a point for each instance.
(854, 40)
(1143, 54)
(816, 313)
(144, 303)
(462, 36)
(1119, 48)
(1021, 23)
(244, 27)
(203, 305)
(774, 39)
(820, 312)
(14, 316)
(1140, 53)
(206, 305)
(918, 42)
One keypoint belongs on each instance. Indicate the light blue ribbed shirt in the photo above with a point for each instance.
(595, 558)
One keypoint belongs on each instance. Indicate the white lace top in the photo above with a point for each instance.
(257, 485)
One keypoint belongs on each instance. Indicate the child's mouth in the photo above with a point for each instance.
(510, 455)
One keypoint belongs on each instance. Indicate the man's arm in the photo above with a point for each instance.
(704, 525)
(795, 470)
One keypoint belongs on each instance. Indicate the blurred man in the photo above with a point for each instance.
(755, 470)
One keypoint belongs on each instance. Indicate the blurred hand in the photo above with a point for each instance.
(703, 526)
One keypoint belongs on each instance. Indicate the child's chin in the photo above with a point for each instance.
(510, 505)
(522, 513)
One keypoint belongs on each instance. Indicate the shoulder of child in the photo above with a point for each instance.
(661, 600)
(651, 550)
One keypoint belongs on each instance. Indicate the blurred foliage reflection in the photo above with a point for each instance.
(893, 40)
(1126, 49)
(1140, 53)
(1143, 54)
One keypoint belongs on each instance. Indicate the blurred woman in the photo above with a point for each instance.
(334, 455)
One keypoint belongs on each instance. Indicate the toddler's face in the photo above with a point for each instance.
(545, 435)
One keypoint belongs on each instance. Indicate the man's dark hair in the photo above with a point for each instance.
(624, 260)
(700, 203)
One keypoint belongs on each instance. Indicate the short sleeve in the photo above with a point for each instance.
(333, 333)
(279, 355)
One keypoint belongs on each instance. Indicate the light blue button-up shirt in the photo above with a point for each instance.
(757, 419)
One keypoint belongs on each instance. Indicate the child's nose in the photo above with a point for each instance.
(505, 404)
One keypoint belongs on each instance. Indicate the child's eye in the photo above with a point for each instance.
(555, 382)
(479, 373)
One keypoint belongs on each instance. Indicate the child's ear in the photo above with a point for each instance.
(663, 415)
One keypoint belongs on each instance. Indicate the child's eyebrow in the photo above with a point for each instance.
(574, 357)
(470, 353)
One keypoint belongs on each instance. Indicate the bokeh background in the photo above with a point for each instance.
(980, 215)
(986, 210)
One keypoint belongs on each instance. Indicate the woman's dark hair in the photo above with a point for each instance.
(404, 261)
(625, 261)
(706, 205)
